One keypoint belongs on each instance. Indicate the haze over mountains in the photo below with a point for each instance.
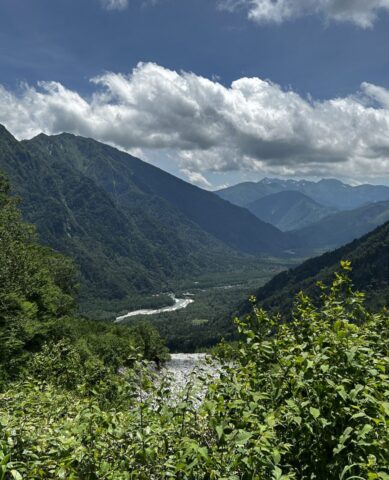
(288, 210)
(323, 215)
(328, 192)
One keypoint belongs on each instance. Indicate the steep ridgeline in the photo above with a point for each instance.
(370, 273)
(327, 192)
(130, 226)
(288, 210)
(134, 184)
(343, 227)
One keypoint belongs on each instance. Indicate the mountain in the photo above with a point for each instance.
(328, 192)
(370, 273)
(131, 182)
(288, 210)
(245, 193)
(130, 227)
(343, 227)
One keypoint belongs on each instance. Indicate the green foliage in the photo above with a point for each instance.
(37, 288)
(311, 393)
(36, 285)
(370, 259)
(303, 400)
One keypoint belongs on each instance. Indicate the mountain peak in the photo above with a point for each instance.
(5, 133)
(6, 137)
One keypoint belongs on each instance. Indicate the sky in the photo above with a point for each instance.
(214, 91)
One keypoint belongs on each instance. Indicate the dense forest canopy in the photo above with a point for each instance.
(37, 306)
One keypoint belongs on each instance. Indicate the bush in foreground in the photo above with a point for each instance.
(303, 400)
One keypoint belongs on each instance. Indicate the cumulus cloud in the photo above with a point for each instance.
(252, 125)
(360, 12)
(114, 4)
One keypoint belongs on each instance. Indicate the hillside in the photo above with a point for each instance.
(288, 210)
(80, 399)
(131, 183)
(369, 256)
(131, 227)
(328, 192)
(343, 227)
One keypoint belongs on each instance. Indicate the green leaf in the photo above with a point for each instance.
(315, 412)
(242, 437)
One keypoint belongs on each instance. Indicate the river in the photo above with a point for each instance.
(185, 367)
(179, 304)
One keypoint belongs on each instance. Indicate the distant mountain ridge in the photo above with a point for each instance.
(288, 210)
(343, 227)
(328, 192)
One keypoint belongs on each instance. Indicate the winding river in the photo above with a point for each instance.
(179, 304)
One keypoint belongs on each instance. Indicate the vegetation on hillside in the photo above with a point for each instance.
(289, 210)
(302, 400)
(131, 228)
(343, 227)
(369, 256)
(299, 400)
(37, 288)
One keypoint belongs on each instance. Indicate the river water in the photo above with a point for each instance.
(185, 367)
(179, 304)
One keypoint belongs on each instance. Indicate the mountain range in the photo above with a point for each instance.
(134, 229)
(130, 226)
(289, 210)
(343, 227)
(323, 215)
(327, 192)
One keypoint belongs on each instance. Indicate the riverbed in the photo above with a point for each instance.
(179, 304)
(187, 367)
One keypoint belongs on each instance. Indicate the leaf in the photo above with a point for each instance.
(16, 475)
(220, 431)
(242, 437)
(385, 407)
(315, 412)
(365, 430)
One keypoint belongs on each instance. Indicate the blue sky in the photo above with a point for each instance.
(301, 56)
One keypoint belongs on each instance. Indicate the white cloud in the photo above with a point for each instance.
(196, 178)
(114, 4)
(252, 126)
(360, 12)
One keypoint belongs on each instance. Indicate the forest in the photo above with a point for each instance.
(303, 399)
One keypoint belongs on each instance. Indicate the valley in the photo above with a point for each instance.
(208, 319)
(194, 240)
(136, 233)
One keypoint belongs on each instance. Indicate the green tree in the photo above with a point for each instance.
(36, 284)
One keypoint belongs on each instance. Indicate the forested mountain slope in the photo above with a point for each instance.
(369, 258)
(288, 210)
(131, 183)
(343, 227)
(130, 227)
